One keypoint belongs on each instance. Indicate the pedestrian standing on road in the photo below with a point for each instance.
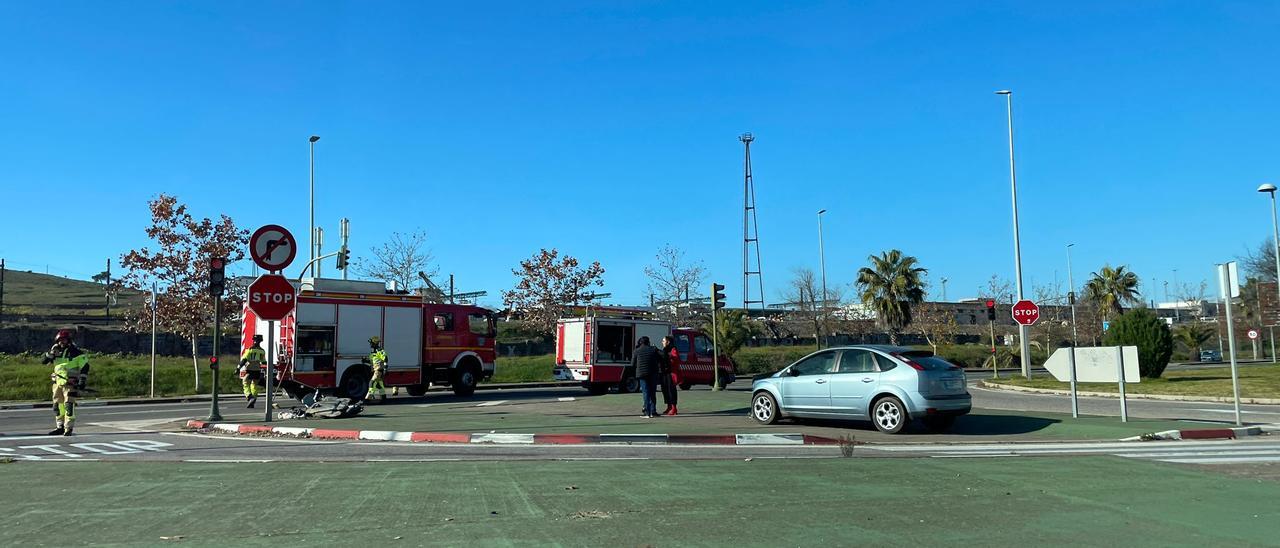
(670, 375)
(70, 371)
(646, 361)
(378, 361)
(250, 369)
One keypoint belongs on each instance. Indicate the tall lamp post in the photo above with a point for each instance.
(822, 263)
(1023, 340)
(1275, 239)
(1075, 341)
(311, 228)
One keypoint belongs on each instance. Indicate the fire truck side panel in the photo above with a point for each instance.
(402, 333)
(572, 342)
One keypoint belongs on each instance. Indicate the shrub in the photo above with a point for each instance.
(767, 359)
(1141, 328)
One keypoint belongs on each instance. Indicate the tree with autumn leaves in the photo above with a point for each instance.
(547, 283)
(178, 263)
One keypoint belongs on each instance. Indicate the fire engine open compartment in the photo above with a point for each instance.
(324, 344)
(596, 350)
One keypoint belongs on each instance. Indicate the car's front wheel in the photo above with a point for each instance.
(889, 415)
(764, 409)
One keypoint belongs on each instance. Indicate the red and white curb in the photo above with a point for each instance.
(1200, 434)
(503, 438)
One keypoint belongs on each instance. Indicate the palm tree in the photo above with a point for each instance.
(1112, 288)
(890, 287)
(1193, 336)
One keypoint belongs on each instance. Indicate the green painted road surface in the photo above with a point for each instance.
(701, 412)
(1098, 501)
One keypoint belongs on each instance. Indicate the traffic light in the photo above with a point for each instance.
(991, 310)
(213, 362)
(344, 257)
(217, 276)
(717, 298)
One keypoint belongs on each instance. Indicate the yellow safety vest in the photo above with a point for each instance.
(64, 371)
(255, 356)
(378, 358)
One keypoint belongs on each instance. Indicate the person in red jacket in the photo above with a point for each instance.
(670, 375)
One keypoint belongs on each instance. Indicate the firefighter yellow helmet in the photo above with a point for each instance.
(375, 341)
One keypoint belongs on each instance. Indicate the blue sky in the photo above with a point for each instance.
(607, 130)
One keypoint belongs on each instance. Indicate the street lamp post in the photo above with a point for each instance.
(1023, 340)
(1275, 239)
(311, 226)
(822, 263)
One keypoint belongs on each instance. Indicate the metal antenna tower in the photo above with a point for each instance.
(750, 230)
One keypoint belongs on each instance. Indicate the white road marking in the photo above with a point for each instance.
(567, 399)
(491, 403)
(1223, 460)
(503, 438)
(234, 461)
(1232, 411)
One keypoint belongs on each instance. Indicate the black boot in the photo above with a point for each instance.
(252, 401)
(67, 432)
(56, 431)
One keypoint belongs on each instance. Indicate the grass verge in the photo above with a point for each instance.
(1261, 381)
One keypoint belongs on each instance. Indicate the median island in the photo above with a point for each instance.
(1262, 382)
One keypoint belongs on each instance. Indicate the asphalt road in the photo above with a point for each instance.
(145, 432)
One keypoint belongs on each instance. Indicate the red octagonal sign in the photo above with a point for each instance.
(1026, 312)
(271, 297)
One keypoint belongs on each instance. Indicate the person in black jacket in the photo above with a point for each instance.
(646, 361)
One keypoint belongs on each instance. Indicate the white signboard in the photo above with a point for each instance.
(1094, 364)
(1228, 280)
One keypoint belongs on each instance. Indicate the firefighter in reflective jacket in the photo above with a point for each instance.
(378, 361)
(250, 369)
(70, 371)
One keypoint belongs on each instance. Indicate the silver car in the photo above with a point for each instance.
(889, 385)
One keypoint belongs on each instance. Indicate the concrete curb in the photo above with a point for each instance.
(985, 383)
(501, 438)
(195, 398)
(1203, 434)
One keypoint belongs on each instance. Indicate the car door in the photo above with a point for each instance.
(854, 382)
(806, 386)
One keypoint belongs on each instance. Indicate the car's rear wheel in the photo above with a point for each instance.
(889, 415)
(939, 423)
(764, 409)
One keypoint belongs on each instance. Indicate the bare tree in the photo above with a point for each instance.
(672, 280)
(803, 294)
(548, 283)
(1261, 264)
(399, 260)
(1054, 324)
(936, 322)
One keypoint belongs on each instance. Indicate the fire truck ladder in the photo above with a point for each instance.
(750, 231)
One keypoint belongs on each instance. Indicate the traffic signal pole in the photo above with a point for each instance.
(217, 285)
(717, 302)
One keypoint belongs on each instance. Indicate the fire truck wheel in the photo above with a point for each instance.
(464, 380)
(416, 390)
(355, 383)
(629, 384)
(596, 388)
(687, 386)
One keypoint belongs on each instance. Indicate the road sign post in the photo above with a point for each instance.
(272, 298)
(1229, 288)
(1026, 313)
(1124, 404)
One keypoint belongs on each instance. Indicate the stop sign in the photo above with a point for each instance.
(1026, 312)
(271, 297)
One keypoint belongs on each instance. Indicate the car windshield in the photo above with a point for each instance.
(928, 360)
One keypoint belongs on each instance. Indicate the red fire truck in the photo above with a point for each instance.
(324, 344)
(596, 350)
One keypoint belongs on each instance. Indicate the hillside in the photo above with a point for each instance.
(32, 294)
